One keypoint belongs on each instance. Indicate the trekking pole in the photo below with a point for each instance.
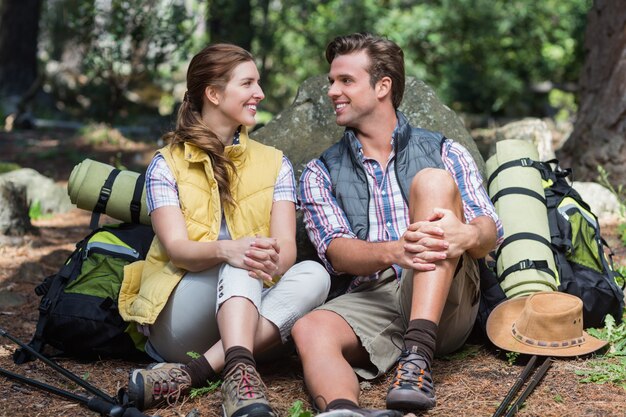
(79, 381)
(95, 404)
(536, 378)
(516, 386)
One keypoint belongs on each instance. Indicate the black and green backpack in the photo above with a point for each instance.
(78, 313)
(583, 259)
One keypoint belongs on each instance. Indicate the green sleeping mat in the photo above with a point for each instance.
(524, 261)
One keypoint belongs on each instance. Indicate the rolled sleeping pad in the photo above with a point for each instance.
(524, 261)
(100, 188)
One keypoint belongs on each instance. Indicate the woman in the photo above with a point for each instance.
(223, 210)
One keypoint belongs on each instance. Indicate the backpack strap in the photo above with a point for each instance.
(103, 198)
(540, 265)
(50, 290)
(518, 190)
(522, 162)
(135, 204)
(522, 236)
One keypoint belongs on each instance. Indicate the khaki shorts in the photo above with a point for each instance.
(379, 315)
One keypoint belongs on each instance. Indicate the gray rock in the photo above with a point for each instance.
(603, 203)
(305, 129)
(531, 130)
(52, 197)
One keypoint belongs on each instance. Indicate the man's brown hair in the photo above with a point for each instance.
(386, 59)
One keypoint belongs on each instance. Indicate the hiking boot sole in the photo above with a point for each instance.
(407, 401)
(252, 410)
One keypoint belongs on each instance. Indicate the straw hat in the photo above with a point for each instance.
(544, 323)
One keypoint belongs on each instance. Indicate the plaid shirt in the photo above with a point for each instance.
(388, 212)
(161, 188)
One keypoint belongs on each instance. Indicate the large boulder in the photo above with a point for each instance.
(51, 197)
(305, 129)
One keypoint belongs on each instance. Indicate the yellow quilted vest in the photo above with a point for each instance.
(148, 284)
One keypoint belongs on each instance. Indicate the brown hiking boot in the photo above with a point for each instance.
(243, 394)
(412, 388)
(158, 383)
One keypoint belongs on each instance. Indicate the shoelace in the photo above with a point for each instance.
(170, 385)
(249, 384)
(406, 373)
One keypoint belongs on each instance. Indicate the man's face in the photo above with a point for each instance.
(350, 91)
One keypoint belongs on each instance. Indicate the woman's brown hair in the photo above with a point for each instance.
(213, 66)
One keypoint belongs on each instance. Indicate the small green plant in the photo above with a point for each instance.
(193, 355)
(298, 410)
(199, 392)
(558, 398)
(511, 357)
(621, 278)
(611, 368)
(8, 167)
(35, 212)
(615, 335)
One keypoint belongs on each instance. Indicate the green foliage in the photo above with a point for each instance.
(558, 399)
(511, 357)
(621, 270)
(298, 410)
(565, 103)
(34, 211)
(193, 355)
(199, 392)
(605, 371)
(479, 55)
(8, 167)
(611, 368)
(615, 335)
(120, 44)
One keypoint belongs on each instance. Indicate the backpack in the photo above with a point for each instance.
(583, 257)
(78, 313)
(557, 248)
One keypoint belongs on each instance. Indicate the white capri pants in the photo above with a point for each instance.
(188, 321)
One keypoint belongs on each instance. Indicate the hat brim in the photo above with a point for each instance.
(499, 326)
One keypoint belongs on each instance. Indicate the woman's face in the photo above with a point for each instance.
(239, 99)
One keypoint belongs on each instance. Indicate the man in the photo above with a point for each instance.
(403, 210)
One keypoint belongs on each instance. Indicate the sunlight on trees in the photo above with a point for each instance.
(106, 57)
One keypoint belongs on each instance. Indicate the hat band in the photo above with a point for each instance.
(545, 344)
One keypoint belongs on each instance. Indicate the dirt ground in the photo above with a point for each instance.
(470, 383)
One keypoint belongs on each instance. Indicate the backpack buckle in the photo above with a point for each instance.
(526, 264)
(526, 162)
(45, 304)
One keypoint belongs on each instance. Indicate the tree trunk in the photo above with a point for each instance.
(231, 21)
(599, 136)
(19, 28)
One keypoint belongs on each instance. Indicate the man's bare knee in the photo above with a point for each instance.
(430, 182)
(307, 331)
(322, 330)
